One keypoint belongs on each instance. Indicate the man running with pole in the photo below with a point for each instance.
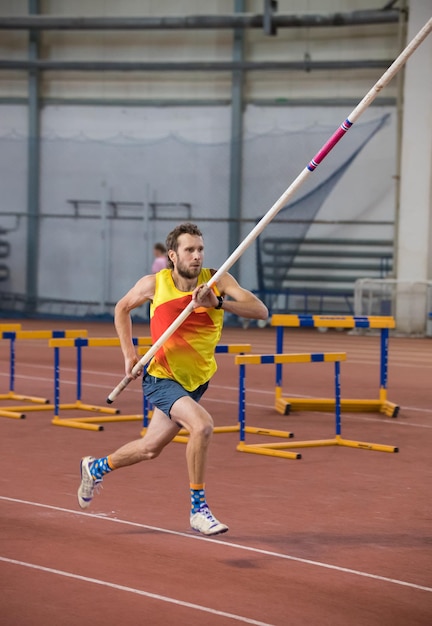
(186, 268)
(180, 371)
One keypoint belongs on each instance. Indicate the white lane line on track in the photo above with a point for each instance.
(139, 592)
(237, 546)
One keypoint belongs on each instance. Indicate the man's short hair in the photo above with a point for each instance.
(182, 229)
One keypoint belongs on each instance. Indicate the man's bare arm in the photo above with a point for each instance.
(140, 293)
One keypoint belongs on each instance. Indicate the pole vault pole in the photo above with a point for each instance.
(394, 68)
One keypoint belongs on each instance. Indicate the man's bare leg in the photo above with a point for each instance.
(160, 432)
(199, 423)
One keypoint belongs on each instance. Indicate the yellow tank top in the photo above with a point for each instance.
(187, 356)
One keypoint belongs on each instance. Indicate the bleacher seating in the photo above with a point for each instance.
(4, 253)
(317, 275)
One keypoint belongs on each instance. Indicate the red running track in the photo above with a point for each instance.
(340, 537)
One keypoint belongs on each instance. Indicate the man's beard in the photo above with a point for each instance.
(186, 272)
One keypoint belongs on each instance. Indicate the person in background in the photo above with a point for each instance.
(180, 371)
(160, 258)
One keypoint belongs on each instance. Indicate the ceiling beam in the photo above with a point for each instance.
(193, 66)
(201, 22)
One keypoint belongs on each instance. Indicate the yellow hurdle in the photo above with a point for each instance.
(106, 414)
(381, 404)
(283, 449)
(16, 334)
(9, 327)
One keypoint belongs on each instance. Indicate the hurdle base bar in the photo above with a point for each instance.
(73, 423)
(15, 415)
(108, 419)
(284, 406)
(267, 450)
(277, 448)
(86, 423)
(252, 430)
(93, 423)
(183, 435)
(27, 408)
(19, 412)
(11, 395)
(82, 406)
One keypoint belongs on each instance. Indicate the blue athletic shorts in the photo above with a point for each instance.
(163, 392)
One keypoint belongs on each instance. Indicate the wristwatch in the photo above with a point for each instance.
(220, 302)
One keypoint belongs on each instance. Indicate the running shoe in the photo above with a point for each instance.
(88, 484)
(205, 523)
